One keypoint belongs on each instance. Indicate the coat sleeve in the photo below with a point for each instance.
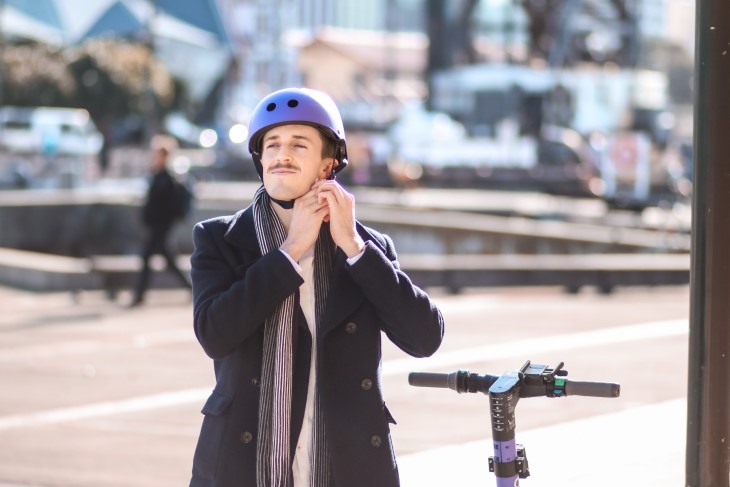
(410, 318)
(232, 301)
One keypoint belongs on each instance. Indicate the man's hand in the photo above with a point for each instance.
(341, 216)
(307, 216)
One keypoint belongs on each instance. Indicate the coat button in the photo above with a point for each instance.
(246, 437)
(375, 441)
(366, 384)
(351, 328)
(256, 381)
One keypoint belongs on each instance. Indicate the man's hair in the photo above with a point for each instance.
(328, 145)
(165, 143)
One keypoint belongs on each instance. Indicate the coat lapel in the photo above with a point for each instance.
(344, 295)
(241, 231)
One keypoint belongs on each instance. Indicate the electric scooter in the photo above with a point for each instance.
(509, 462)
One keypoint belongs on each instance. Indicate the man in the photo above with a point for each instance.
(290, 298)
(161, 210)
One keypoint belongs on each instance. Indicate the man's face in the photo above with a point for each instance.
(291, 156)
(159, 159)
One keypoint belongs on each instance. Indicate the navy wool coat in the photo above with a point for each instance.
(235, 288)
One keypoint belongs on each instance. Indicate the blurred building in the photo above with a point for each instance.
(373, 73)
(680, 15)
(276, 40)
(280, 42)
(188, 37)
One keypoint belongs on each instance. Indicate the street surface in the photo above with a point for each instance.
(98, 395)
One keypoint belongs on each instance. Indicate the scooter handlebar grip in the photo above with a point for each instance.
(428, 379)
(593, 389)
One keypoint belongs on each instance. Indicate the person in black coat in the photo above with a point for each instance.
(161, 210)
(291, 297)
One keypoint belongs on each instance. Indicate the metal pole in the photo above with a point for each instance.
(2, 52)
(150, 102)
(708, 398)
(438, 47)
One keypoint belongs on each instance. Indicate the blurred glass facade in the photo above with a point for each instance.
(265, 32)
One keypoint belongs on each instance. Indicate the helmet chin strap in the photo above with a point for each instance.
(287, 205)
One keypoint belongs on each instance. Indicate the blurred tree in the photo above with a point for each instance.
(121, 83)
(125, 88)
(34, 75)
(117, 79)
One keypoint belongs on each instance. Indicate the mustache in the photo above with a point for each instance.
(283, 166)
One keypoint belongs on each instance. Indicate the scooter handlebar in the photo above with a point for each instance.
(430, 379)
(463, 381)
(593, 389)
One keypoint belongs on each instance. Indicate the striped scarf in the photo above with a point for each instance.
(273, 459)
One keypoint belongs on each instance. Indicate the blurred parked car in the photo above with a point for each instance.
(48, 130)
(48, 146)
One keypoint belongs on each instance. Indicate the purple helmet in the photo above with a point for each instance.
(297, 106)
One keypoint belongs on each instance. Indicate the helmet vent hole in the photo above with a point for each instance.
(270, 107)
(292, 103)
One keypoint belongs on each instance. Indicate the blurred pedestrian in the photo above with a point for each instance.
(291, 295)
(166, 203)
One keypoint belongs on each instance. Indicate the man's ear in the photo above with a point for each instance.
(329, 169)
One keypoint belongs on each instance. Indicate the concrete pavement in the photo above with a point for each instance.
(96, 395)
(644, 446)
